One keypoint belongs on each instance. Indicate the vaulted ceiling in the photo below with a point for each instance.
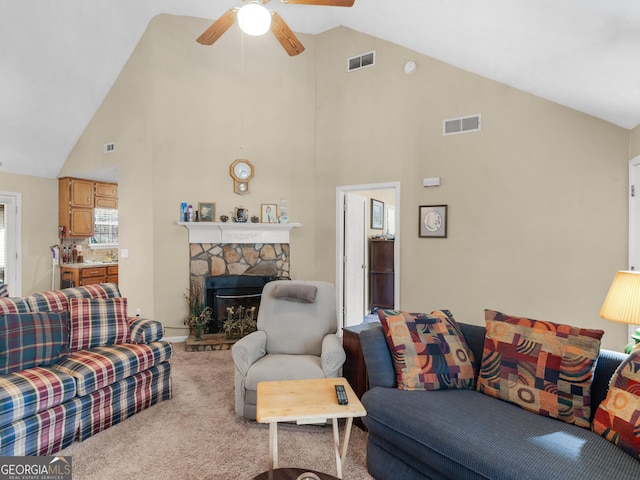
(58, 58)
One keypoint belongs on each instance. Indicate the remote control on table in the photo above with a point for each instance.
(342, 395)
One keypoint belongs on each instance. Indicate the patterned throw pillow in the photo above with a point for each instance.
(97, 321)
(618, 416)
(543, 367)
(32, 340)
(429, 351)
(4, 290)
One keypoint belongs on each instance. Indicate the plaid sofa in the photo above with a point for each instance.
(72, 364)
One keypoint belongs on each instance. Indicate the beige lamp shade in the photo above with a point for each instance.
(623, 300)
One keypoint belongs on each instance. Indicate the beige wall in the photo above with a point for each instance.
(39, 197)
(537, 199)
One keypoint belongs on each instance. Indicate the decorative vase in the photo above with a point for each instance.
(197, 332)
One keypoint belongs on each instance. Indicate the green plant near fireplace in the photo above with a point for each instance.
(240, 322)
(199, 313)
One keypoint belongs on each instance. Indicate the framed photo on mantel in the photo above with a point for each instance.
(433, 221)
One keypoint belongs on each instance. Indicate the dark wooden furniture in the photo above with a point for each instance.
(381, 273)
(354, 368)
(292, 474)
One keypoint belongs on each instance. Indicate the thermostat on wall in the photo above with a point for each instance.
(431, 181)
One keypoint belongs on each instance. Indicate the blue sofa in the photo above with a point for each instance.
(464, 434)
(101, 367)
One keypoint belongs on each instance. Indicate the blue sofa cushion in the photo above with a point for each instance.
(28, 392)
(32, 340)
(465, 434)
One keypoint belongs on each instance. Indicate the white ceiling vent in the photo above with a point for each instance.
(453, 126)
(361, 61)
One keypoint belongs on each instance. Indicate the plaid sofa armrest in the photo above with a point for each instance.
(144, 330)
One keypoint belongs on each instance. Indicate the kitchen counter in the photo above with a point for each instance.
(88, 273)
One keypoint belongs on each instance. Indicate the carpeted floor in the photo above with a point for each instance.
(196, 435)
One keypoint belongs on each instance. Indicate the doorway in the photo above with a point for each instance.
(10, 241)
(634, 218)
(351, 273)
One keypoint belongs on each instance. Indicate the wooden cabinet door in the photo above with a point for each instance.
(106, 202)
(81, 194)
(107, 190)
(81, 222)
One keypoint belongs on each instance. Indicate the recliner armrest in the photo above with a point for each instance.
(144, 330)
(332, 356)
(248, 350)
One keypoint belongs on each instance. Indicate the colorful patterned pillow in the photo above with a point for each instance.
(618, 417)
(429, 351)
(97, 321)
(32, 340)
(543, 367)
(4, 290)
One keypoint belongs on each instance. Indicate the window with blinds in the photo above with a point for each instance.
(105, 227)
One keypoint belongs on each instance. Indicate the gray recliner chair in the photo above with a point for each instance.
(296, 339)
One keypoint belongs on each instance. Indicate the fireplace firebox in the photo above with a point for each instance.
(225, 291)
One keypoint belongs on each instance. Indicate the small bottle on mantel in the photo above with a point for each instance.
(190, 213)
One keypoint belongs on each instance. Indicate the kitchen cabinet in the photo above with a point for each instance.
(106, 195)
(75, 207)
(381, 274)
(76, 201)
(88, 274)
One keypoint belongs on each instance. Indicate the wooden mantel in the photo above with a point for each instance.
(216, 232)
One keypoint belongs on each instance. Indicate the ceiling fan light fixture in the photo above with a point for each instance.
(254, 19)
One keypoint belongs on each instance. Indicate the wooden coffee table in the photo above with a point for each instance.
(307, 402)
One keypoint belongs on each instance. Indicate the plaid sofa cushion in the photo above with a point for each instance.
(53, 301)
(100, 290)
(44, 433)
(32, 340)
(98, 367)
(28, 392)
(429, 352)
(13, 305)
(97, 321)
(543, 367)
(144, 330)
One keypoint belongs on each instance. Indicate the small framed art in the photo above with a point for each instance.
(433, 221)
(269, 213)
(207, 211)
(377, 214)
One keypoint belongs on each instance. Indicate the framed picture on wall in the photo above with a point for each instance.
(207, 211)
(377, 214)
(433, 221)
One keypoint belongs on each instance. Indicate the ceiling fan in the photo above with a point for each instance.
(280, 29)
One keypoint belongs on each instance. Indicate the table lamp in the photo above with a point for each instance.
(622, 303)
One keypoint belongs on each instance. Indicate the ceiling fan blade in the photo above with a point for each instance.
(217, 28)
(285, 35)
(326, 3)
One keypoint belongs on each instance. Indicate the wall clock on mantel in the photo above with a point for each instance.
(241, 171)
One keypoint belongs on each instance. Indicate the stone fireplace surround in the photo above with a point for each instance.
(217, 249)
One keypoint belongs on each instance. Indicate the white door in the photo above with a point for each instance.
(10, 240)
(634, 218)
(354, 258)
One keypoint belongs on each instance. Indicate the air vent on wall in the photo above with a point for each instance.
(453, 126)
(361, 61)
(109, 147)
